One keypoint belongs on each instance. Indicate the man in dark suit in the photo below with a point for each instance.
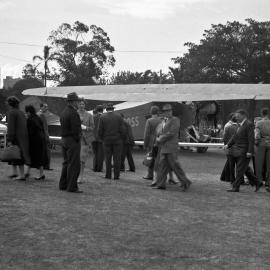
(243, 149)
(127, 146)
(111, 132)
(150, 137)
(168, 143)
(97, 144)
(71, 145)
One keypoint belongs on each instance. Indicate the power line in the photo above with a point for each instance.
(15, 58)
(118, 51)
(150, 51)
(20, 44)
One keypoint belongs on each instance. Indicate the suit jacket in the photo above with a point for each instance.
(229, 132)
(168, 138)
(262, 132)
(150, 132)
(70, 123)
(129, 139)
(111, 128)
(244, 138)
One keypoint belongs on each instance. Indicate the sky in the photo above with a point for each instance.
(154, 30)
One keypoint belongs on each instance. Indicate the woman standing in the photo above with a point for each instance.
(37, 141)
(17, 134)
(87, 136)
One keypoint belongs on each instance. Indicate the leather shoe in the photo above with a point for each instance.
(12, 176)
(152, 184)
(76, 191)
(258, 186)
(186, 186)
(162, 188)
(148, 178)
(20, 179)
(172, 182)
(40, 178)
(233, 190)
(116, 178)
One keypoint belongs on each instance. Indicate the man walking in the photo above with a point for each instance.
(168, 143)
(71, 145)
(243, 142)
(111, 132)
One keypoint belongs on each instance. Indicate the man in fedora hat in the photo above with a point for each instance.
(168, 143)
(111, 132)
(71, 146)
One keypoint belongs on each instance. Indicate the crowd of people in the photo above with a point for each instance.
(242, 143)
(109, 138)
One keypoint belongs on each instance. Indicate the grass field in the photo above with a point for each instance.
(119, 225)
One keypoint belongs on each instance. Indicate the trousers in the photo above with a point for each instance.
(98, 156)
(168, 162)
(127, 153)
(262, 163)
(113, 151)
(71, 165)
(242, 167)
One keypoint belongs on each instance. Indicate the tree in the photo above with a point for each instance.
(146, 77)
(22, 85)
(30, 71)
(230, 53)
(81, 59)
(45, 59)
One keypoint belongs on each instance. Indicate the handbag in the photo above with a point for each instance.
(148, 160)
(11, 153)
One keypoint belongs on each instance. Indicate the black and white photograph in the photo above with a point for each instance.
(134, 135)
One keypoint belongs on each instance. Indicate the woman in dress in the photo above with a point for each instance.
(87, 136)
(37, 141)
(17, 134)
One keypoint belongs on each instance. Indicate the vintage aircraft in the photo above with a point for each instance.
(204, 105)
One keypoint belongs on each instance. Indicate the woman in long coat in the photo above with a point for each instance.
(37, 141)
(17, 134)
(87, 138)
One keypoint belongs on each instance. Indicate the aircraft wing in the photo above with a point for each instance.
(158, 92)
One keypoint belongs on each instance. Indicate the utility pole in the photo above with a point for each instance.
(160, 77)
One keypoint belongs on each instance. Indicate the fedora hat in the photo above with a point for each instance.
(167, 107)
(72, 97)
(99, 108)
(109, 107)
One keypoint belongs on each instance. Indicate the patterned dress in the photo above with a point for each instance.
(87, 134)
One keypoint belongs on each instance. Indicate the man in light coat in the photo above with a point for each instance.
(168, 143)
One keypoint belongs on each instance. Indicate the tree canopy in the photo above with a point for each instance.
(79, 55)
(231, 53)
(148, 76)
(81, 59)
